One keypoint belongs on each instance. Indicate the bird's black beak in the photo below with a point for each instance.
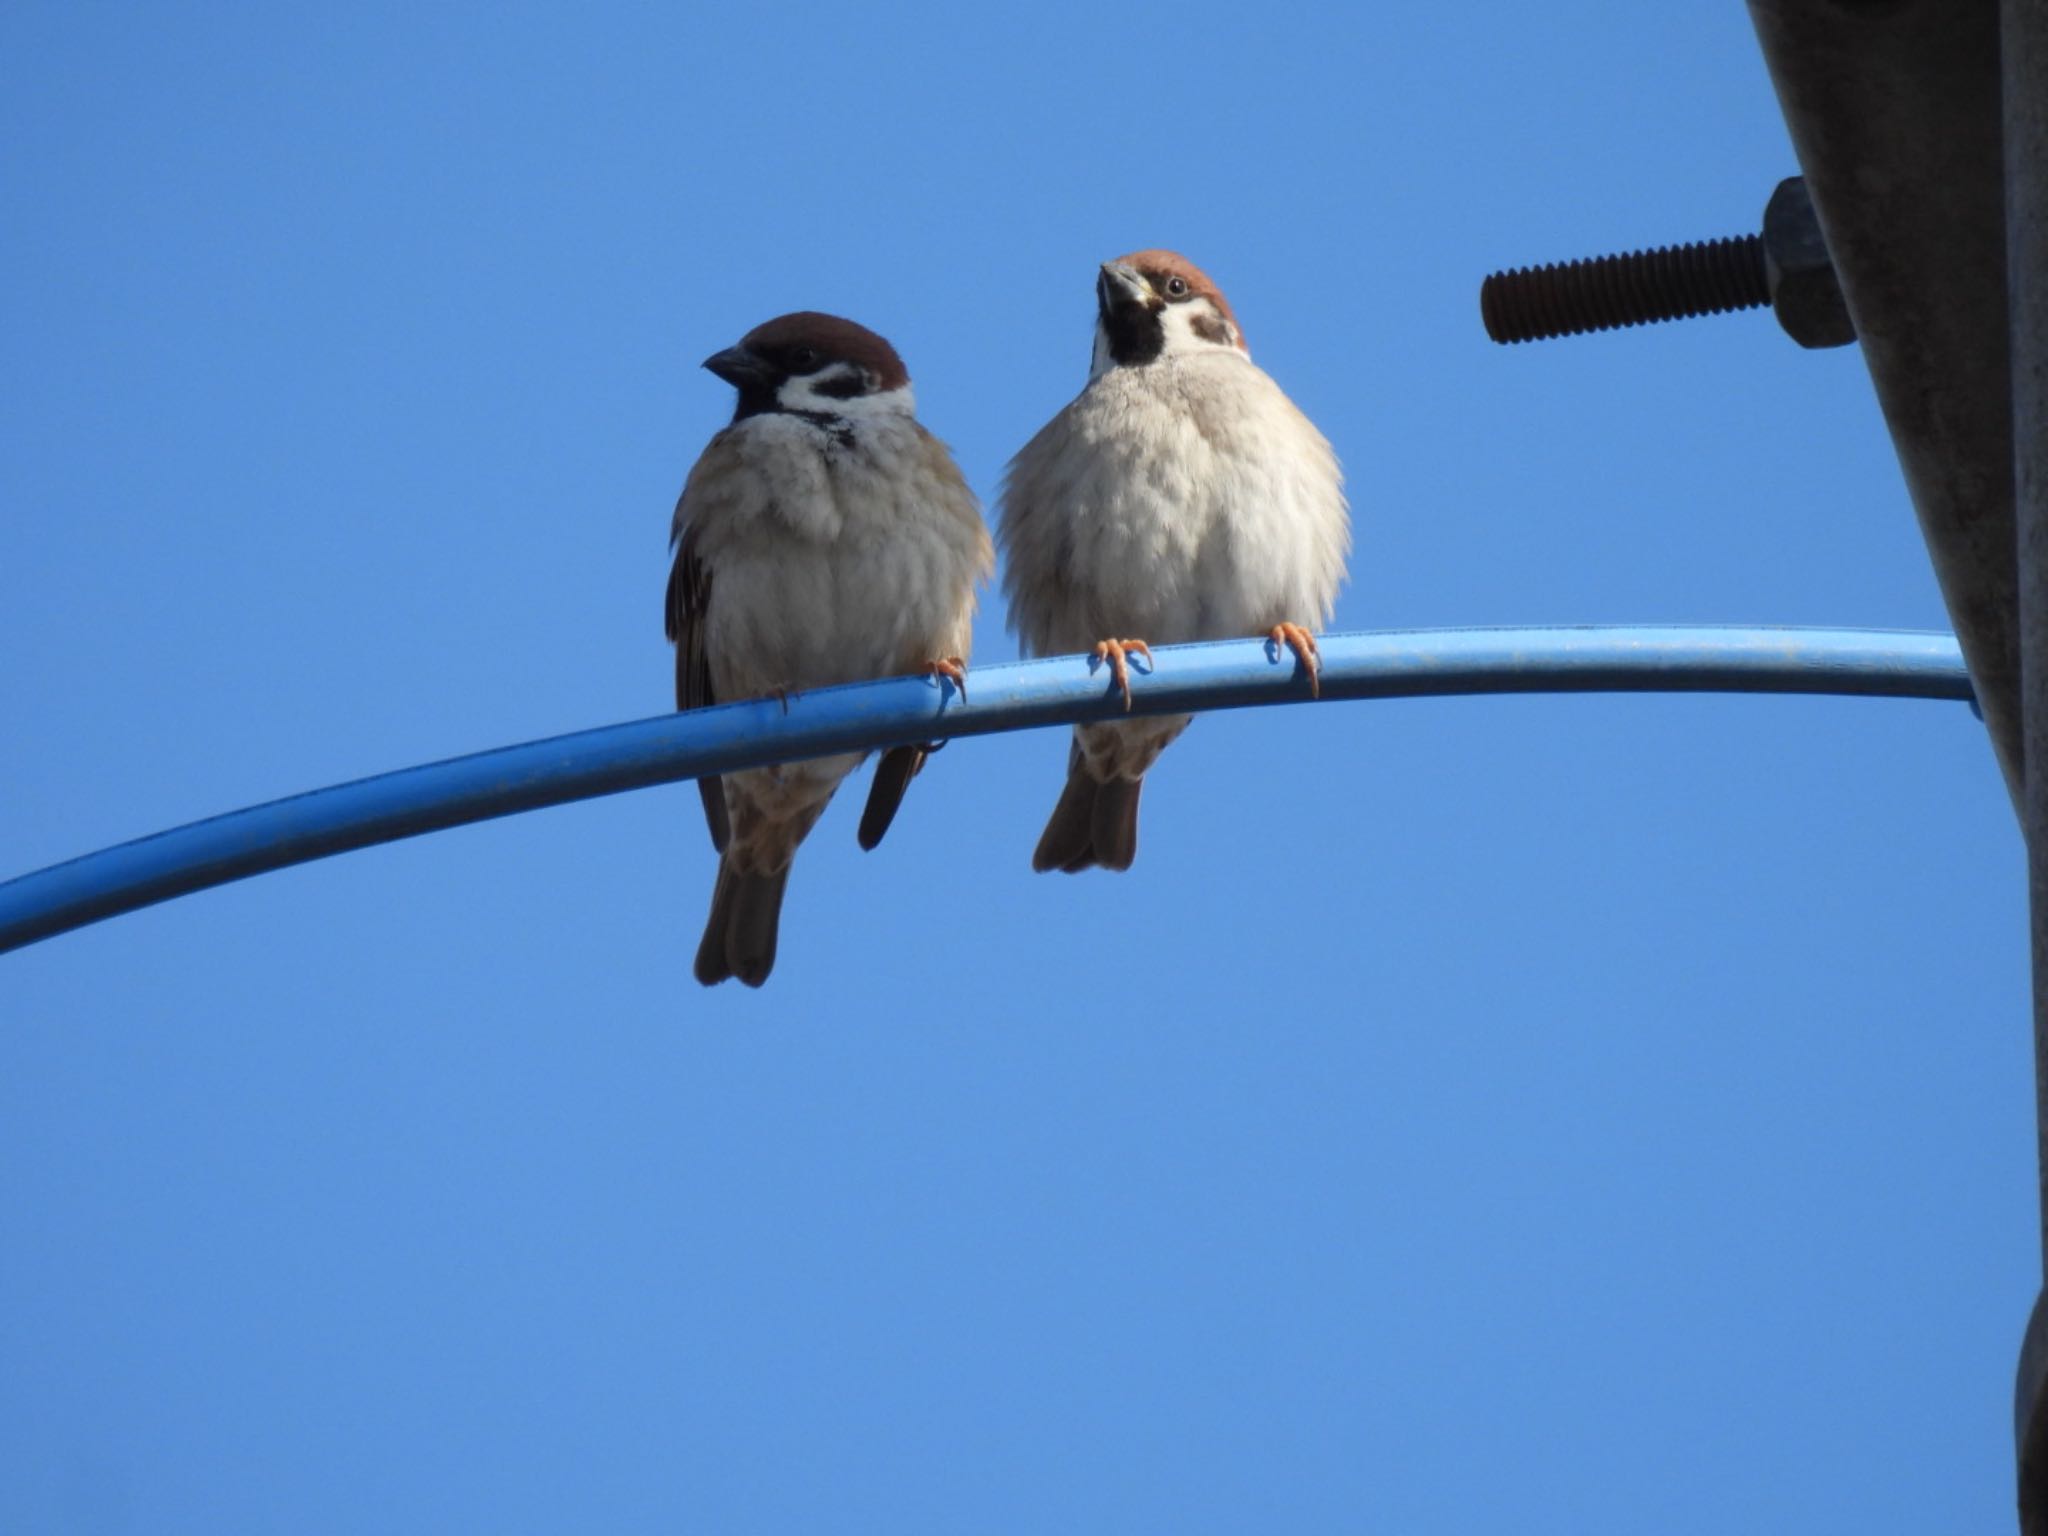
(739, 367)
(1119, 287)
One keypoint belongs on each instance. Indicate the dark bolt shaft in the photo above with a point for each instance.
(1671, 283)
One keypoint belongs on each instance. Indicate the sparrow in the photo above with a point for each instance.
(1180, 496)
(823, 537)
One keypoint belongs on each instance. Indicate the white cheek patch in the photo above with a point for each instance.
(1192, 328)
(1185, 325)
(809, 391)
(806, 396)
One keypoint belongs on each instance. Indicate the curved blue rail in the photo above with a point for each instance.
(1379, 665)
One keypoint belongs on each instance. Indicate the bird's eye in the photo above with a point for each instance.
(1176, 287)
(804, 359)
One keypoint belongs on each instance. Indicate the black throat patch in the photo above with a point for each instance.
(1136, 334)
(756, 398)
(1135, 331)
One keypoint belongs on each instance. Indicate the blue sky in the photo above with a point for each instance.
(1559, 1114)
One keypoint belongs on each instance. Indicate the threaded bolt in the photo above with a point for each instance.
(1672, 282)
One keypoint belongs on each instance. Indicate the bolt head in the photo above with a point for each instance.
(1806, 296)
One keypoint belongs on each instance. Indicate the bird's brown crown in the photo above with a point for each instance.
(800, 343)
(1157, 266)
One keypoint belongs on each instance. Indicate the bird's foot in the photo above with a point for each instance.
(952, 668)
(1116, 653)
(1303, 644)
(782, 696)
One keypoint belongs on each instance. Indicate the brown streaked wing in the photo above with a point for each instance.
(689, 595)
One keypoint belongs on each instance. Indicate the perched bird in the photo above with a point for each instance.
(823, 537)
(1181, 496)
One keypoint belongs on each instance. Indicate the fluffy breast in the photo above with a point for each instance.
(1185, 500)
(833, 556)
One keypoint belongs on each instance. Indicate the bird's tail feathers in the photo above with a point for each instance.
(740, 933)
(898, 766)
(1095, 823)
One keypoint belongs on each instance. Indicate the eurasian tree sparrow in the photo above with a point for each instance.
(1181, 496)
(823, 537)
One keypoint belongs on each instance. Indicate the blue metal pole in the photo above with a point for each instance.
(1059, 691)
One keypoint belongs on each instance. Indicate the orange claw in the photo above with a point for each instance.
(953, 669)
(1114, 652)
(1303, 644)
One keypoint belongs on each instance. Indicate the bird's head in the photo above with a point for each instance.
(1155, 304)
(817, 366)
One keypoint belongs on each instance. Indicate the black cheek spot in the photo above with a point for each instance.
(848, 387)
(1211, 327)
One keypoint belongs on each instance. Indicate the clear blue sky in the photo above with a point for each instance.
(1569, 1115)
